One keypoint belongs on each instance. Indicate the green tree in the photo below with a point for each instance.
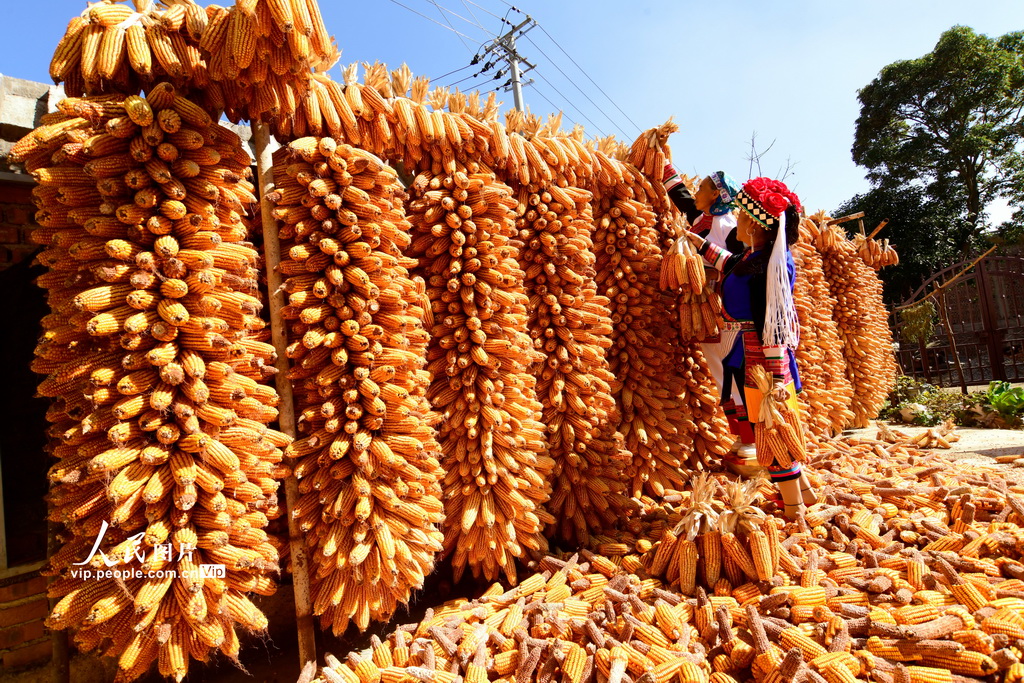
(950, 121)
(929, 234)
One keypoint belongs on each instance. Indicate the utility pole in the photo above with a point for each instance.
(504, 47)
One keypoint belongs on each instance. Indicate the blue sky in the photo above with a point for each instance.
(788, 70)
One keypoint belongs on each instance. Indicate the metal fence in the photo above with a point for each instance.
(985, 313)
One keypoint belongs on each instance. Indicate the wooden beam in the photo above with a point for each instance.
(286, 407)
(878, 229)
(851, 217)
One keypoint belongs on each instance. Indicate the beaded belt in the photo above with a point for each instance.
(736, 325)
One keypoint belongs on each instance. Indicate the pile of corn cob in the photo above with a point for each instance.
(942, 436)
(494, 453)
(155, 357)
(907, 572)
(863, 323)
(827, 393)
(367, 459)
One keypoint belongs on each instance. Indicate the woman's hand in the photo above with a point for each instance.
(696, 240)
(780, 393)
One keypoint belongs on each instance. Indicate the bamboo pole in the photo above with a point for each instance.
(878, 228)
(950, 281)
(286, 417)
(60, 660)
(843, 219)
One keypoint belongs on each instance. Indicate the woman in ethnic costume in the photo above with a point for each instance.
(710, 213)
(757, 297)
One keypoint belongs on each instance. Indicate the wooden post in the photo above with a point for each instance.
(926, 366)
(952, 342)
(988, 317)
(843, 219)
(286, 417)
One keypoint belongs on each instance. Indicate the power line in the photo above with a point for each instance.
(450, 25)
(435, 21)
(552, 39)
(481, 7)
(453, 71)
(455, 14)
(576, 86)
(467, 78)
(554, 106)
(473, 14)
(569, 102)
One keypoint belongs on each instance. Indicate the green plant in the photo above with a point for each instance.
(916, 402)
(918, 322)
(1006, 401)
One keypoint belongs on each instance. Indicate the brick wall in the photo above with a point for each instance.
(24, 640)
(16, 217)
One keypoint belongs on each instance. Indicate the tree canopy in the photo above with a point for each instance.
(949, 122)
(929, 234)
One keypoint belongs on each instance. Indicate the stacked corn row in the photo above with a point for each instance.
(367, 460)
(705, 419)
(115, 48)
(154, 358)
(861, 317)
(569, 324)
(842, 600)
(497, 469)
(252, 60)
(628, 259)
(827, 393)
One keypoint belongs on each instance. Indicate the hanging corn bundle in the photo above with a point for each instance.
(862, 319)
(252, 61)
(682, 267)
(497, 470)
(569, 324)
(155, 356)
(367, 459)
(650, 151)
(652, 414)
(827, 393)
(877, 254)
(779, 434)
(115, 48)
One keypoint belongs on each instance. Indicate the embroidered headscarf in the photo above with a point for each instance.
(727, 190)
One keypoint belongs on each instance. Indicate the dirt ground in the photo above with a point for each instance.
(978, 448)
(274, 659)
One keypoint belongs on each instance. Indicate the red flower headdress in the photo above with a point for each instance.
(766, 200)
